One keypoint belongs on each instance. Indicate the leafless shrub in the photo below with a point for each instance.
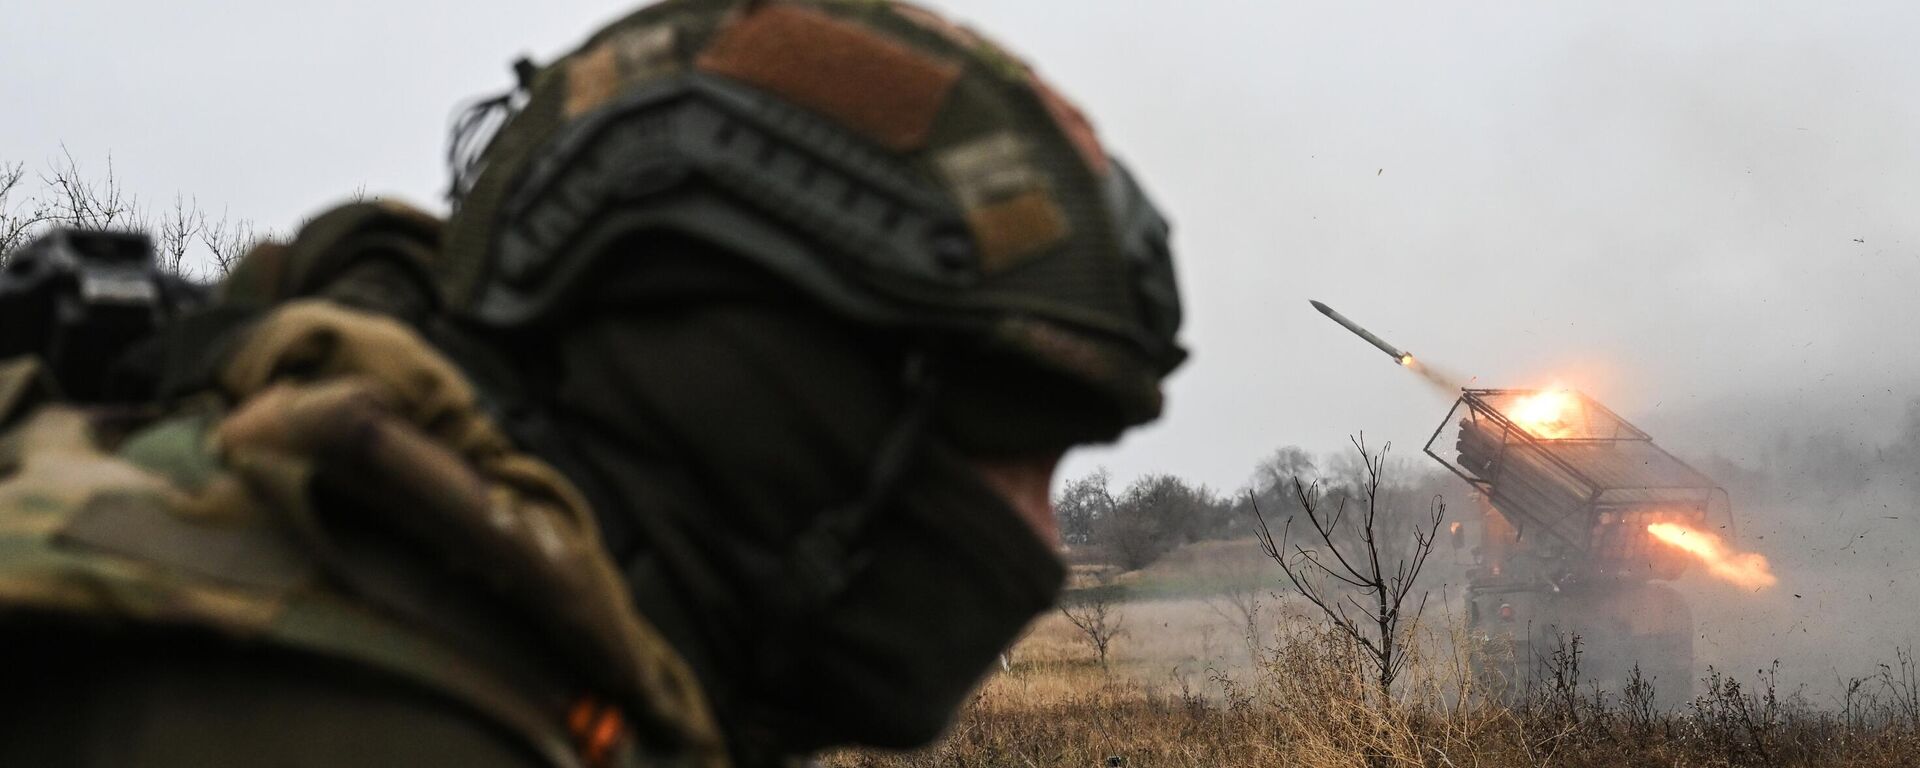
(1748, 728)
(1902, 686)
(1637, 703)
(1099, 620)
(1334, 570)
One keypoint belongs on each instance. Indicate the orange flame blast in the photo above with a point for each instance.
(1548, 414)
(1745, 569)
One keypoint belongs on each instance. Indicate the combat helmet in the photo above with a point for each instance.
(903, 170)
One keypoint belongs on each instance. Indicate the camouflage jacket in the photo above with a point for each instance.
(241, 512)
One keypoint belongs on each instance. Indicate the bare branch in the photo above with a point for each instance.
(178, 230)
(227, 240)
(1378, 593)
(1099, 622)
(19, 219)
(85, 203)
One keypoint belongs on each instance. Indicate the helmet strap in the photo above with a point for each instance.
(823, 560)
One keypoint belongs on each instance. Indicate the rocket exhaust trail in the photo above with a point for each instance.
(1446, 383)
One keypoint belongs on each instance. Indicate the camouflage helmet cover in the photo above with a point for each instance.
(900, 168)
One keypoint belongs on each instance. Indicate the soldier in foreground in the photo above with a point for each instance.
(716, 427)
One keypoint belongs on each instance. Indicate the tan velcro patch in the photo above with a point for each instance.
(628, 57)
(1010, 231)
(592, 78)
(990, 169)
(645, 52)
(879, 87)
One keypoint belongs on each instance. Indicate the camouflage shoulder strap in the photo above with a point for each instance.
(157, 529)
(374, 256)
(164, 538)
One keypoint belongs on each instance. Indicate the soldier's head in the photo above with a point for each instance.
(837, 282)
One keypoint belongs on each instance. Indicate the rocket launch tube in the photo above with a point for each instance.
(1399, 356)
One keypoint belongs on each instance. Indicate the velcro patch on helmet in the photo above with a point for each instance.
(592, 78)
(987, 170)
(879, 87)
(1008, 199)
(646, 52)
(1011, 230)
(630, 56)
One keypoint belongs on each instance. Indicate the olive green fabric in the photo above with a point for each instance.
(1054, 283)
(375, 255)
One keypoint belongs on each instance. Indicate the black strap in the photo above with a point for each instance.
(823, 560)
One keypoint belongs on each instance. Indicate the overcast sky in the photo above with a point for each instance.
(1706, 214)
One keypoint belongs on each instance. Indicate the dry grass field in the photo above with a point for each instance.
(1185, 687)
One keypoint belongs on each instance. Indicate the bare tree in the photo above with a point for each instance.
(1338, 570)
(85, 202)
(178, 229)
(1081, 505)
(1157, 513)
(1099, 621)
(19, 218)
(1273, 473)
(1136, 527)
(68, 195)
(227, 240)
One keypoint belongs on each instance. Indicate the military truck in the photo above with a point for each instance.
(1566, 492)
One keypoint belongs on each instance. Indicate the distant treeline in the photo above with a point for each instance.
(1798, 485)
(1134, 526)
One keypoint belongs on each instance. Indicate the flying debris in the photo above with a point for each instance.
(1399, 356)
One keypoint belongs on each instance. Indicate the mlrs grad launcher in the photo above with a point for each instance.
(1567, 490)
